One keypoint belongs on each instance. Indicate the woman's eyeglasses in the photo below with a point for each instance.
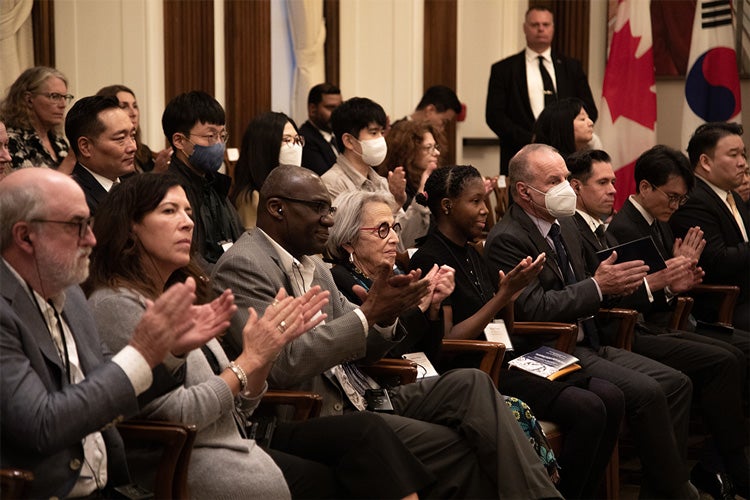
(384, 229)
(55, 97)
(296, 140)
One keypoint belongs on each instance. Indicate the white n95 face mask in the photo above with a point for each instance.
(290, 154)
(560, 200)
(374, 151)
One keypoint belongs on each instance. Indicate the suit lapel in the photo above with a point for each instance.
(523, 88)
(588, 235)
(573, 247)
(710, 194)
(540, 243)
(19, 300)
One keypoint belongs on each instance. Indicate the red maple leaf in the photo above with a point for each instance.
(628, 80)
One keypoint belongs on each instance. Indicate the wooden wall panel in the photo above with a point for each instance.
(571, 28)
(332, 45)
(188, 47)
(440, 18)
(43, 27)
(247, 45)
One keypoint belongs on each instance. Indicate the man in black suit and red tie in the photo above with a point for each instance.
(320, 150)
(523, 84)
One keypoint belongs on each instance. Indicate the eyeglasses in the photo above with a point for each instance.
(58, 98)
(431, 149)
(322, 208)
(214, 138)
(384, 229)
(83, 224)
(293, 139)
(673, 199)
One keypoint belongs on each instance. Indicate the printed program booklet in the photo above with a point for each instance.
(546, 362)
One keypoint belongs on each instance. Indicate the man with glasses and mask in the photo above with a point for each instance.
(657, 397)
(61, 393)
(194, 124)
(456, 424)
(103, 140)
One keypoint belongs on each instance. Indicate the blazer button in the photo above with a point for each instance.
(75, 464)
(338, 406)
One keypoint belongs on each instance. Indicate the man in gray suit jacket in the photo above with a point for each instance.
(456, 424)
(60, 394)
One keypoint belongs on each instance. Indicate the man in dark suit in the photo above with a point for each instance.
(663, 178)
(103, 140)
(657, 398)
(456, 424)
(519, 89)
(320, 150)
(717, 154)
(60, 391)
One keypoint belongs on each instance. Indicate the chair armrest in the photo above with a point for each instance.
(13, 483)
(626, 327)
(392, 372)
(492, 354)
(728, 293)
(177, 440)
(565, 333)
(306, 404)
(681, 313)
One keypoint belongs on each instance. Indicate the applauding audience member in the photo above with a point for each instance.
(144, 245)
(61, 392)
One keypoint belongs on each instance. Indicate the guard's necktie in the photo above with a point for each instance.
(736, 214)
(550, 96)
(561, 255)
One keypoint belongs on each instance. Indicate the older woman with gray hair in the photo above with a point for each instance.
(364, 238)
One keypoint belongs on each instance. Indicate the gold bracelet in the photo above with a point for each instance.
(241, 375)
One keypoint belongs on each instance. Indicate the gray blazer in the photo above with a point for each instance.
(43, 417)
(252, 270)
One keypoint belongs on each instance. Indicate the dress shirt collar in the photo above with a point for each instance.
(592, 222)
(531, 56)
(649, 218)
(103, 181)
(58, 300)
(358, 179)
(293, 267)
(722, 194)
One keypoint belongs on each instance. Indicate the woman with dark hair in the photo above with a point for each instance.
(34, 113)
(589, 410)
(144, 231)
(145, 159)
(271, 139)
(564, 125)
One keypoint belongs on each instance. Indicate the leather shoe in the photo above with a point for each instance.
(717, 484)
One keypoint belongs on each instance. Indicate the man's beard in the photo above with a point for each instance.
(59, 272)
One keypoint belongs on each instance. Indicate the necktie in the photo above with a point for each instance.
(599, 233)
(550, 96)
(561, 255)
(656, 234)
(587, 325)
(736, 214)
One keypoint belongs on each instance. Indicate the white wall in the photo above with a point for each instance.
(101, 43)
(381, 52)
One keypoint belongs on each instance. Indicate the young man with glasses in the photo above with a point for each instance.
(103, 139)
(194, 124)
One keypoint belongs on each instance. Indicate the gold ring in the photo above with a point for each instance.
(275, 302)
(282, 326)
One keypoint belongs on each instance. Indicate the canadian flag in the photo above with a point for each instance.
(712, 82)
(627, 124)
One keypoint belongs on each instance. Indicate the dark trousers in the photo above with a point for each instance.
(657, 409)
(349, 456)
